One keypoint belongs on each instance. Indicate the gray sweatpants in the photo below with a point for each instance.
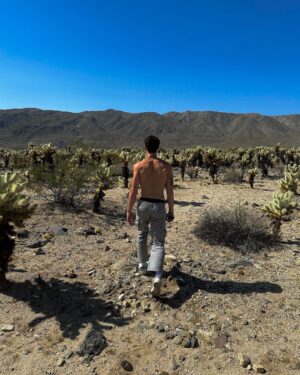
(153, 214)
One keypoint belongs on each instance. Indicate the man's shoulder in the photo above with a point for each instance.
(165, 164)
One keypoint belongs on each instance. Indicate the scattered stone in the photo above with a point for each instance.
(39, 251)
(169, 336)
(37, 244)
(178, 340)
(186, 342)
(221, 341)
(190, 317)
(297, 262)
(91, 271)
(23, 233)
(194, 342)
(241, 263)
(128, 240)
(61, 362)
(161, 328)
(86, 231)
(244, 360)
(71, 275)
(93, 344)
(107, 248)
(174, 364)
(127, 366)
(121, 297)
(259, 369)
(58, 230)
(204, 197)
(7, 328)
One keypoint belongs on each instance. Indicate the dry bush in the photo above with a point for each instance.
(238, 227)
(233, 175)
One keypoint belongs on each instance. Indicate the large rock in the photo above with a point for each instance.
(93, 344)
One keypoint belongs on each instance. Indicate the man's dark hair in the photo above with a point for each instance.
(152, 143)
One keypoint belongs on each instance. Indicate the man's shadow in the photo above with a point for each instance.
(190, 284)
(73, 305)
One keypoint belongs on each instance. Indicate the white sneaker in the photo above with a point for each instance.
(155, 290)
(142, 268)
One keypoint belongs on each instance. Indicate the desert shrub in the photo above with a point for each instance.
(64, 184)
(233, 175)
(238, 227)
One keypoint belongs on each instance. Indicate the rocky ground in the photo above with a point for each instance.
(76, 305)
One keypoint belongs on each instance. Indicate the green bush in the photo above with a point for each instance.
(63, 183)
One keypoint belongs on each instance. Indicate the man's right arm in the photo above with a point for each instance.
(170, 195)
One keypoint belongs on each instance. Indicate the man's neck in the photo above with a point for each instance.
(151, 155)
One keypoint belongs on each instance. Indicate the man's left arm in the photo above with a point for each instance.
(134, 186)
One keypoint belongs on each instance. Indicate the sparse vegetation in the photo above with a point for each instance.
(238, 227)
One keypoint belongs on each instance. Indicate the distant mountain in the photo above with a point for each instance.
(112, 128)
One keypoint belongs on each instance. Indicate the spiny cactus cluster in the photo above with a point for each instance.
(14, 205)
(104, 180)
(14, 209)
(290, 180)
(41, 154)
(279, 208)
(252, 173)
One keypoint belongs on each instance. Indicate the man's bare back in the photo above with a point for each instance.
(152, 175)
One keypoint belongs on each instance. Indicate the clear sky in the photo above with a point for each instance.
(151, 55)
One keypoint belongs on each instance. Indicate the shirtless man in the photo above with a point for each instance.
(153, 175)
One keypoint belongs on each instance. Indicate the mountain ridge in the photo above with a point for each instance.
(114, 128)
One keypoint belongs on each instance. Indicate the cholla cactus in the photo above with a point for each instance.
(290, 180)
(182, 160)
(280, 207)
(104, 180)
(252, 173)
(14, 209)
(124, 158)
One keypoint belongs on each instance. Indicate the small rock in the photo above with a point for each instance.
(58, 230)
(178, 340)
(204, 197)
(126, 304)
(259, 369)
(61, 362)
(86, 231)
(190, 317)
(23, 233)
(221, 341)
(297, 262)
(174, 364)
(107, 248)
(161, 328)
(127, 366)
(7, 328)
(169, 336)
(91, 271)
(39, 251)
(241, 263)
(244, 360)
(186, 342)
(194, 342)
(121, 297)
(37, 244)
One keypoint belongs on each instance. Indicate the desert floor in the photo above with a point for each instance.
(231, 302)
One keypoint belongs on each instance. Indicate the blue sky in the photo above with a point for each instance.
(151, 55)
